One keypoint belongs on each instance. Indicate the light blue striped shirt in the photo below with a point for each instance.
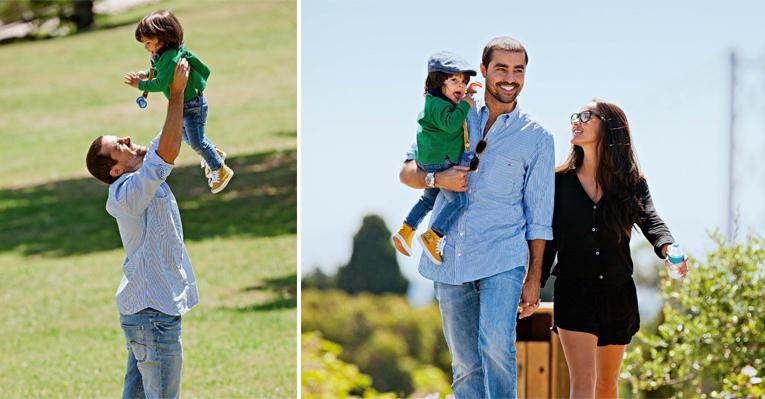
(157, 272)
(510, 200)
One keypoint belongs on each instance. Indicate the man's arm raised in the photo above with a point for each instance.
(170, 140)
(452, 179)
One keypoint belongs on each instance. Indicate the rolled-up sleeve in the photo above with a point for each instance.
(539, 191)
(132, 194)
(412, 152)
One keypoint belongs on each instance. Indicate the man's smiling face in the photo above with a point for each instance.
(129, 155)
(505, 75)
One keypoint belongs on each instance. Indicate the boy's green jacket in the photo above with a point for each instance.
(164, 67)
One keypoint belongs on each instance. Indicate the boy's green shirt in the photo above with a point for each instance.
(440, 135)
(164, 67)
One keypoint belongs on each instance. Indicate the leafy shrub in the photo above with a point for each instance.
(711, 326)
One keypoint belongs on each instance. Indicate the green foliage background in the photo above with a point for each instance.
(711, 327)
(402, 348)
(373, 266)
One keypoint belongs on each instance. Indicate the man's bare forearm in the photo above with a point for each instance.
(536, 254)
(170, 140)
(453, 179)
(412, 176)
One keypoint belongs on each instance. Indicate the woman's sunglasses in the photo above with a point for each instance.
(584, 116)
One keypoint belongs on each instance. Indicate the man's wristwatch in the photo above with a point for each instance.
(430, 179)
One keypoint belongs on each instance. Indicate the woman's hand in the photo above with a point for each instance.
(683, 269)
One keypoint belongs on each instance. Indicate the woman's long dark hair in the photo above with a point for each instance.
(617, 173)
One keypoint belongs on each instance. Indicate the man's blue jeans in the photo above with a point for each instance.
(455, 203)
(479, 320)
(194, 121)
(155, 355)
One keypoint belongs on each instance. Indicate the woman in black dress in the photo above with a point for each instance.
(600, 195)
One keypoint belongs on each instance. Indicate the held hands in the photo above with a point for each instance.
(529, 298)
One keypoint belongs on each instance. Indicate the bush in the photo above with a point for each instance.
(324, 376)
(710, 328)
(388, 339)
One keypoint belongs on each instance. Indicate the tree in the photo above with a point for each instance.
(318, 280)
(373, 266)
(710, 329)
(82, 15)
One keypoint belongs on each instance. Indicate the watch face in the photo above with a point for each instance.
(429, 179)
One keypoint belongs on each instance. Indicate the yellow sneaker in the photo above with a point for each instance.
(433, 245)
(402, 240)
(204, 165)
(219, 179)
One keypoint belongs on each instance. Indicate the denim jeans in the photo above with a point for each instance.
(194, 120)
(479, 321)
(155, 355)
(455, 203)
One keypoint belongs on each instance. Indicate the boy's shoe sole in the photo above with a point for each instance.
(422, 244)
(400, 244)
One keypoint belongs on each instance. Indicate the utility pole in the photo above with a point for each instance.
(732, 149)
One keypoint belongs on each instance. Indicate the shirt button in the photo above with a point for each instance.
(600, 277)
(459, 254)
(462, 233)
(593, 229)
(594, 207)
(597, 252)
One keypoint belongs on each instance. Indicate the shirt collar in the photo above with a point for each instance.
(507, 119)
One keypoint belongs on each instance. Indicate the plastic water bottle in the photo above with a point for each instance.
(675, 258)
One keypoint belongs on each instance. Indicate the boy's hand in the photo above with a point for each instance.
(471, 89)
(131, 79)
(142, 75)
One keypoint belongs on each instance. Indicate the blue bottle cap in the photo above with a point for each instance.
(142, 103)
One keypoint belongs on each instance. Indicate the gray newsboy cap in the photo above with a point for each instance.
(447, 62)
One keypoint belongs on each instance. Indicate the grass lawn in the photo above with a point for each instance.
(60, 253)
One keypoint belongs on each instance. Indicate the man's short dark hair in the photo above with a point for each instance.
(505, 43)
(99, 165)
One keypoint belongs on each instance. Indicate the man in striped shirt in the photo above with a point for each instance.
(483, 279)
(158, 284)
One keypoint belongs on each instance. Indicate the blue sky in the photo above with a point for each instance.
(665, 63)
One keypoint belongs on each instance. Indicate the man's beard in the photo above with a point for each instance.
(136, 162)
(494, 92)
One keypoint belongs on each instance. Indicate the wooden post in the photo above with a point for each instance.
(538, 369)
(520, 348)
(542, 371)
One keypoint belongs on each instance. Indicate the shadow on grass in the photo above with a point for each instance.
(68, 217)
(281, 291)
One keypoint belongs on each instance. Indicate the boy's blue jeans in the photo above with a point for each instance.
(455, 203)
(155, 355)
(194, 120)
(479, 319)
